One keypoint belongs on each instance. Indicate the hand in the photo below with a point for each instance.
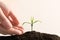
(8, 22)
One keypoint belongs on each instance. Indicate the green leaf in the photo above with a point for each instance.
(26, 22)
(32, 18)
(37, 21)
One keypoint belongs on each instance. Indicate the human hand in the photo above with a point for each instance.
(8, 26)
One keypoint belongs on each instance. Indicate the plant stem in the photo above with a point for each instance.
(31, 27)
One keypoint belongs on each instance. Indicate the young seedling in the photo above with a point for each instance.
(32, 22)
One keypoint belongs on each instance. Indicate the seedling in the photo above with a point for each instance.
(32, 22)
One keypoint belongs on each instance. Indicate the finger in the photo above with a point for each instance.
(13, 19)
(14, 31)
(4, 8)
(6, 23)
(10, 31)
(18, 28)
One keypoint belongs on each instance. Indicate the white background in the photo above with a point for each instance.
(48, 11)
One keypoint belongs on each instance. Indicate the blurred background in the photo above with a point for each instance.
(47, 11)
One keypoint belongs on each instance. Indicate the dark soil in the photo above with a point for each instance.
(32, 35)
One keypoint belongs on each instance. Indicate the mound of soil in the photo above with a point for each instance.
(32, 35)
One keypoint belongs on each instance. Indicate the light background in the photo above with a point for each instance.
(48, 11)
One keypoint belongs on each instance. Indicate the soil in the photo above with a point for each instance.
(31, 35)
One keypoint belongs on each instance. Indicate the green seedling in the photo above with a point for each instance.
(32, 22)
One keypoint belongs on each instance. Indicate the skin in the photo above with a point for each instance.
(8, 22)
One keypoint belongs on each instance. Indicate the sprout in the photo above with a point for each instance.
(32, 21)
